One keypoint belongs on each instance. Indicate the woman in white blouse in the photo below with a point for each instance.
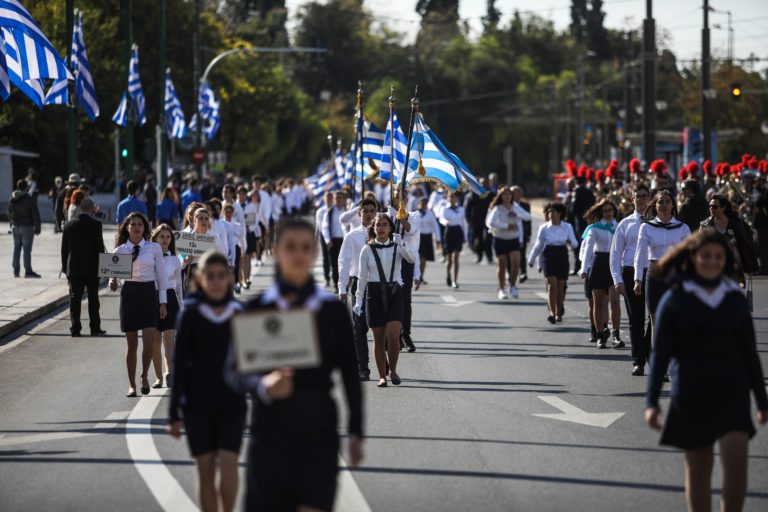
(166, 327)
(143, 296)
(505, 222)
(452, 217)
(380, 278)
(660, 232)
(552, 242)
(596, 264)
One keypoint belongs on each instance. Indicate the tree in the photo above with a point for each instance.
(492, 16)
(597, 35)
(579, 13)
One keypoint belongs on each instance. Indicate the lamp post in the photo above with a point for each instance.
(649, 85)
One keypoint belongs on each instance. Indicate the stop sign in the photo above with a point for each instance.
(198, 155)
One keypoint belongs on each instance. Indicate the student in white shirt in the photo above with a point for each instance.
(143, 297)
(452, 219)
(551, 246)
(505, 222)
(254, 215)
(429, 235)
(623, 249)
(166, 327)
(320, 214)
(596, 267)
(235, 230)
(349, 261)
(218, 226)
(409, 228)
(333, 232)
(245, 262)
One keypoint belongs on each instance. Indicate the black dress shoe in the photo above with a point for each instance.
(638, 371)
(32, 275)
(100, 332)
(76, 334)
(408, 343)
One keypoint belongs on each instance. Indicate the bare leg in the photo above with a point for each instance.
(448, 264)
(130, 357)
(378, 351)
(615, 310)
(552, 297)
(228, 479)
(698, 479)
(147, 348)
(501, 270)
(206, 482)
(599, 311)
(560, 297)
(455, 267)
(168, 337)
(422, 266)
(733, 457)
(514, 267)
(157, 356)
(393, 344)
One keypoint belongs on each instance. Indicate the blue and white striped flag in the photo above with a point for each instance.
(58, 94)
(13, 59)
(397, 149)
(85, 90)
(174, 115)
(37, 57)
(208, 106)
(437, 167)
(121, 115)
(134, 87)
(5, 84)
(373, 141)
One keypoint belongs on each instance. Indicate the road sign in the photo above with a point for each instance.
(198, 155)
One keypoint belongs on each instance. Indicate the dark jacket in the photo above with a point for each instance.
(81, 244)
(22, 210)
(740, 240)
(693, 211)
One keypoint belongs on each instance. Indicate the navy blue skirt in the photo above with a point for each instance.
(172, 308)
(502, 247)
(454, 239)
(600, 274)
(655, 288)
(377, 312)
(139, 306)
(554, 261)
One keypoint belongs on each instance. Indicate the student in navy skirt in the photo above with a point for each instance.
(143, 297)
(212, 414)
(705, 335)
(380, 283)
(166, 327)
(452, 218)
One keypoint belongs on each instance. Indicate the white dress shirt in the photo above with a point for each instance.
(624, 245)
(552, 234)
(276, 205)
(428, 224)
(239, 218)
(233, 236)
(332, 227)
(369, 272)
(260, 215)
(172, 268)
(412, 237)
(454, 216)
(222, 237)
(350, 219)
(319, 214)
(148, 266)
(499, 219)
(349, 257)
(654, 242)
(597, 240)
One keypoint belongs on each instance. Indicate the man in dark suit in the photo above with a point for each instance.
(81, 244)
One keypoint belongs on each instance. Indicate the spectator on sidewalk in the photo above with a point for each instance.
(53, 195)
(131, 203)
(62, 200)
(81, 244)
(25, 224)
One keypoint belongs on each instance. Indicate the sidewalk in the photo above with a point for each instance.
(24, 300)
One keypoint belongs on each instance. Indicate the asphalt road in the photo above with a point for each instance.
(463, 432)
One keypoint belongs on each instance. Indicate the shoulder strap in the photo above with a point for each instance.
(392, 270)
(379, 266)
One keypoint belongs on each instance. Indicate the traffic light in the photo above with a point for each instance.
(124, 153)
(736, 91)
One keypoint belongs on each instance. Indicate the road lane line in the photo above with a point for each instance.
(111, 422)
(162, 484)
(349, 497)
(573, 414)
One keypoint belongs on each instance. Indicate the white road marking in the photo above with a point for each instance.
(349, 497)
(450, 300)
(111, 422)
(163, 486)
(575, 415)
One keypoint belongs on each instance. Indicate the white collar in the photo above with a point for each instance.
(313, 303)
(230, 309)
(671, 220)
(715, 297)
(140, 244)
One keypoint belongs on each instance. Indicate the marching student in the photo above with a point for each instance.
(595, 264)
(409, 228)
(333, 232)
(217, 226)
(320, 214)
(143, 296)
(166, 327)
(212, 414)
(623, 249)
(235, 230)
(705, 335)
(505, 223)
(551, 249)
(254, 233)
(429, 235)
(245, 262)
(383, 295)
(659, 232)
(452, 219)
(293, 457)
(349, 261)
(350, 219)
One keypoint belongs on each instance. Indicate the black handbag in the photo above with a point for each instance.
(389, 288)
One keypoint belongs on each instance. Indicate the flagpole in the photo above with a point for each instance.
(360, 137)
(129, 125)
(71, 88)
(162, 140)
(330, 149)
(391, 145)
(401, 214)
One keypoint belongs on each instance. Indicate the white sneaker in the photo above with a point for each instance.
(513, 292)
(503, 295)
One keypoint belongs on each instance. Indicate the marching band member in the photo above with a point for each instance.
(623, 249)
(143, 297)
(163, 235)
(212, 414)
(349, 270)
(596, 264)
(383, 295)
(293, 457)
(551, 246)
(333, 232)
(505, 223)
(455, 229)
(429, 236)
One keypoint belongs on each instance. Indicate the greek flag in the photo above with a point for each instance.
(121, 116)
(32, 88)
(373, 141)
(5, 84)
(134, 87)
(208, 106)
(58, 94)
(174, 116)
(36, 56)
(397, 148)
(85, 90)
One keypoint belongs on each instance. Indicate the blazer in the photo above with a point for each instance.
(81, 244)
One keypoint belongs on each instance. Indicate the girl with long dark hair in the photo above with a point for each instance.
(166, 327)
(505, 224)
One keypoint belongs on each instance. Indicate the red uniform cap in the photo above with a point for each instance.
(634, 166)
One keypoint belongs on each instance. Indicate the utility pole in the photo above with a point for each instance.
(649, 85)
(71, 110)
(196, 60)
(579, 149)
(629, 103)
(162, 134)
(127, 55)
(706, 107)
(552, 129)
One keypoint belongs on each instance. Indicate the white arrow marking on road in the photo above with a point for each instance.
(451, 301)
(110, 423)
(575, 415)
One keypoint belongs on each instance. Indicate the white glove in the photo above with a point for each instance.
(357, 310)
(398, 240)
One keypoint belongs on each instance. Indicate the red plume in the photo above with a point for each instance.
(693, 169)
(599, 175)
(745, 158)
(634, 166)
(589, 173)
(582, 172)
(707, 167)
(570, 168)
(682, 174)
(658, 166)
(752, 163)
(763, 166)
